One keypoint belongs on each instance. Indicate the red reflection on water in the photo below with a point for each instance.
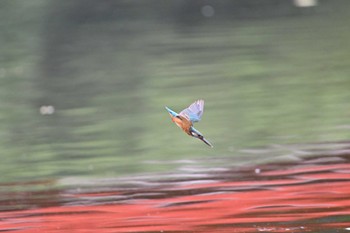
(302, 197)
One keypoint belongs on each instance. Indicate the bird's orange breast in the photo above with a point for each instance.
(183, 123)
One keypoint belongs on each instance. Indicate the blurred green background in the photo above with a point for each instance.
(83, 83)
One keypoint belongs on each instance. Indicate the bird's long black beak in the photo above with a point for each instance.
(206, 142)
(195, 133)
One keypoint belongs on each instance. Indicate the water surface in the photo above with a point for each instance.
(86, 144)
(298, 194)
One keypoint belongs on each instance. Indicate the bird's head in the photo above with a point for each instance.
(195, 133)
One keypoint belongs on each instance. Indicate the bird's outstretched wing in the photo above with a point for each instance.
(194, 112)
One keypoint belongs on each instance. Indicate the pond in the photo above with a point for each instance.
(299, 194)
(87, 145)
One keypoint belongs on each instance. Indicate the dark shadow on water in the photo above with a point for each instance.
(309, 193)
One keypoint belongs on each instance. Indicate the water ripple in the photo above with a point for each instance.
(310, 195)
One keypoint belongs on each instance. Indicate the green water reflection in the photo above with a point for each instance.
(109, 68)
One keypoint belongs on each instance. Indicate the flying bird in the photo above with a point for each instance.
(187, 117)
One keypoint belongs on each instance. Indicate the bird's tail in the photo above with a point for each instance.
(171, 112)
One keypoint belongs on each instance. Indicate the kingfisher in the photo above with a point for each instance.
(187, 117)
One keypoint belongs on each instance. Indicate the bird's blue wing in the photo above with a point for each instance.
(194, 112)
(171, 112)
